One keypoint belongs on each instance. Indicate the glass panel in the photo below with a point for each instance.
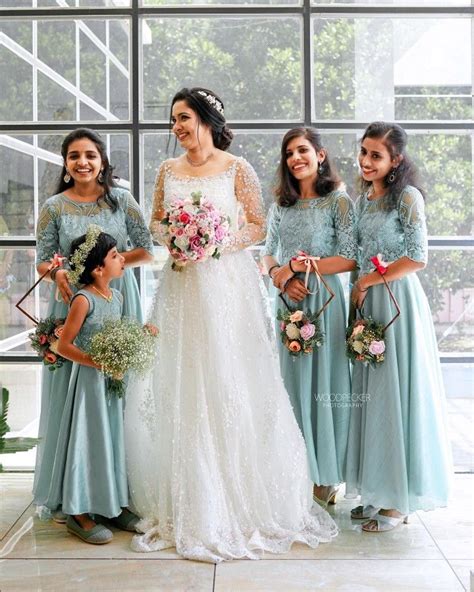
(18, 182)
(24, 384)
(449, 286)
(79, 63)
(221, 54)
(381, 67)
(392, 3)
(64, 4)
(219, 2)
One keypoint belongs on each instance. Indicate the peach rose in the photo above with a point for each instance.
(357, 329)
(294, 346)
(59, 330)
(296, 316)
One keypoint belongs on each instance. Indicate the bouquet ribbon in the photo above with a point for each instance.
(382, 267)
(56, 261)
(312, 265)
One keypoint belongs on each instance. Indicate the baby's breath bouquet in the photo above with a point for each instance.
(120, 346)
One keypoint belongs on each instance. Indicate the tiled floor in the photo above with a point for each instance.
(434, 552)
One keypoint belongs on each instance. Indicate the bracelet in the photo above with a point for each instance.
(53, 272)
(271, 268)
(290, 266)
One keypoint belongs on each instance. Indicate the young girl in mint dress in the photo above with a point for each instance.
(398, 454)
(86, 195)
(314, 214)
(89, 473)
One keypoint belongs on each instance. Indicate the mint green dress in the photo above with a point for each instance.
(398, 455)
(61, 221)
(319, 385)
(89, 473)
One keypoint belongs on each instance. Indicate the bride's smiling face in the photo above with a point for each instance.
(186, 125)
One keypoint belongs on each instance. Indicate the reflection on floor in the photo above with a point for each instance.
(433, 552)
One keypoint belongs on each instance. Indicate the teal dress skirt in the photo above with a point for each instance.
(61, 221)
(319, 385)
(89, 473)
(398, 454)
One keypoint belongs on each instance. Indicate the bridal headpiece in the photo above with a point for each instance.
(81, 253)
(213, 101)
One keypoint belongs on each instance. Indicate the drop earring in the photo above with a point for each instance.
(391, 177)
(67, 177)
(321, 168)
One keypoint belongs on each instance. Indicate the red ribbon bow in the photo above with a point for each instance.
(380, 266)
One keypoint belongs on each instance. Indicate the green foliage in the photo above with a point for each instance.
(11, 445)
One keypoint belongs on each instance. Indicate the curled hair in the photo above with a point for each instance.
(96, 255)
(108, 180)
(395, 140)
(287, 190)
(207, 114)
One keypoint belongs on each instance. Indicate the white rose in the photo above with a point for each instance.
(182, 242)
(292, 331)
(358, 347)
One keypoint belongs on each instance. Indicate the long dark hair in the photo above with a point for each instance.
(395, 139)
(96, 255)
(107, 182)
(287, 187)
(210, 110)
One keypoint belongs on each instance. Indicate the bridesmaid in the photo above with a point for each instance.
(398, 454)
(86, 194)
(314, 214)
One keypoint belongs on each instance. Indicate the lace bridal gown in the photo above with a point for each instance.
(217, 464)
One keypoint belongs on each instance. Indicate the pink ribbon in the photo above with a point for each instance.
(56, 261)
(310, 263)
(380, 266)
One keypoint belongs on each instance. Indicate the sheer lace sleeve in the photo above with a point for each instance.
(136, 228)
(272, 242)
(47, 234)
(411, 210)
(158, 211)
(344, 222)
(249, 194)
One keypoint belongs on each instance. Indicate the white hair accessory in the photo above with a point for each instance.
(213, 101)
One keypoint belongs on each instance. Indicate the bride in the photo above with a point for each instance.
(217, 464)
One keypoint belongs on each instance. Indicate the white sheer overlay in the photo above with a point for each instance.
(217, 464)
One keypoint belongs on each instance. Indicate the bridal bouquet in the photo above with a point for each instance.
(195, 230)
(300, 332)
(365, 341)
(120, 346)
(44, 340)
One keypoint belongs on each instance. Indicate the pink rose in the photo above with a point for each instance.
(179, 232)
(377, 347)
(294, 346)
(307, 331)
(184, 217)
(220, 233)
(50, 357)
(282, 326)
(42, 339)
(195, 243)
(296, 316)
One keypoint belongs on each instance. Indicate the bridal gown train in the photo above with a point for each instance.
(217, 464)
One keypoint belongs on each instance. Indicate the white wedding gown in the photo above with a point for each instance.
(217, 464)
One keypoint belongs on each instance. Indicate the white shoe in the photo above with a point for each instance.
(384, 523)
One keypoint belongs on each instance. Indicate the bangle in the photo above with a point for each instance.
(271, 268)
(359, 288)
(53, 272)
(290, 266)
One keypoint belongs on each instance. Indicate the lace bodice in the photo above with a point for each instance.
(62, 220)
(322, 226)
(236, 192)
(99, 310)
(392, 233)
